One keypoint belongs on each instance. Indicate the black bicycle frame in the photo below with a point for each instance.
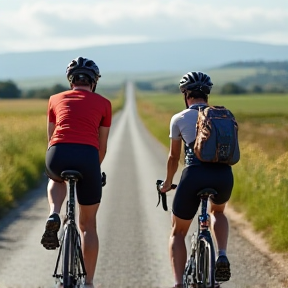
(70, 212)
(204, 218)
(70, 220)
(201, 239)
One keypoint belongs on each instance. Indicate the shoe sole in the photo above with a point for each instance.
(222, 273)
(50, 239)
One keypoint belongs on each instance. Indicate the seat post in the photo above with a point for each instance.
(204, 202)
(71, 200)
(71, 177)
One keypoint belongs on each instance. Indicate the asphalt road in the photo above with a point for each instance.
(133, 233)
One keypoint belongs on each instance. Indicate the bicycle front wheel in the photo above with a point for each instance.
(205, 263)
(68, 257)
(189, 276)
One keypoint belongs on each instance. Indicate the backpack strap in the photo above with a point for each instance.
(198, 107)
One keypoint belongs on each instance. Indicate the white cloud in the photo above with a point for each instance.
(38, 25)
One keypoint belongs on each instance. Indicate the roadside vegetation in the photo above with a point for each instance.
(23, 144)
(22, 150)
(261, 176)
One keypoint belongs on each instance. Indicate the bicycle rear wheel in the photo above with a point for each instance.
(69, 257)
(205, 263)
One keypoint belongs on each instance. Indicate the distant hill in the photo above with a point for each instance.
(273, 65)
(265, 76)
(269, 75)
(118, 62)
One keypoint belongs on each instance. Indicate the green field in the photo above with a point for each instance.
(23, 144)
(261, 176)
(224, 75)
(240, 104)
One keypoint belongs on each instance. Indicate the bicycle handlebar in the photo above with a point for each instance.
(103, 179)
(162, 195)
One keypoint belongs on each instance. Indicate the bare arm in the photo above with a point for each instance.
(50, 130)
(103, 139)
(172, 163)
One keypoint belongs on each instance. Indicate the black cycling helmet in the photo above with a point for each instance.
(82, 65)
(196, 81)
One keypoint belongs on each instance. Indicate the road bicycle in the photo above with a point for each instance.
(200, 266)
(72, 273)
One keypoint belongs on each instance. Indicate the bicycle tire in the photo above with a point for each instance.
(68, 258)
(188, 271)
(205, 263)
(210, 263)
(80, 271)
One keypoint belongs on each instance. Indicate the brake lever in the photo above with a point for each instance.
(162, 195)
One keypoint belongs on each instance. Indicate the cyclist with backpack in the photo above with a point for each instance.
(196, 175)
(78, 123)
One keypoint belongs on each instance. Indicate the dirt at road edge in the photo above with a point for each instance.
(246, 229)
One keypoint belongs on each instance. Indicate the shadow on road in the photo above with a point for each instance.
(20, 206)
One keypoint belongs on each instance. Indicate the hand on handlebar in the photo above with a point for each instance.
(162, 195)
(165, 187)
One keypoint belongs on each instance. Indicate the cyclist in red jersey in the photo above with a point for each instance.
(78, 123)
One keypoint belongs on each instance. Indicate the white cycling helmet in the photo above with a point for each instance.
(84, 66)
(196, 81)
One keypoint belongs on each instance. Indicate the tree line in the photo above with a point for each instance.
(273, 65)
(228, 88)
(9, 90)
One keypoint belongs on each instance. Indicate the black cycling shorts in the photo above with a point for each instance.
(197, 177)
(83, 158)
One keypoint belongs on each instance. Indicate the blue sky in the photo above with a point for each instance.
(35, 25)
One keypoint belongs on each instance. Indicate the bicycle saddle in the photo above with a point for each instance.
(71, 174)
(207, 192)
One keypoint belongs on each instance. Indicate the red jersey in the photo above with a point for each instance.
(77, 115)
